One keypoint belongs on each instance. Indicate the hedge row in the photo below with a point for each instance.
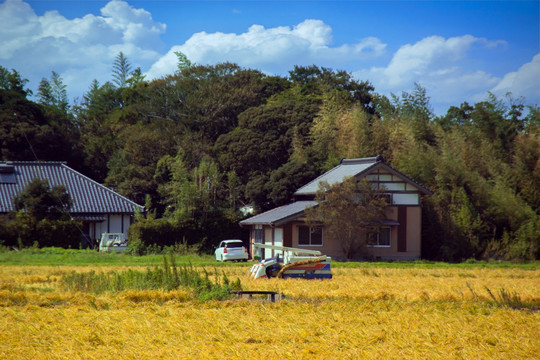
(206, 232)
(24, 231)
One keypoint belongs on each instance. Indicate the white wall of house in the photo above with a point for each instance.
(278, 240)
(111, 224)
(406, 199)
(115, 224)
(268, 240)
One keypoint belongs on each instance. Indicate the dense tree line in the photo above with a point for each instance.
(41, 218)
(195, 146)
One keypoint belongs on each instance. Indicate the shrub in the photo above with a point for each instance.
(160, 232)
(194, 234)
(21, 230)
(168, 277)
(60, 233)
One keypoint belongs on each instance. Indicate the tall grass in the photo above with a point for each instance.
(511, 299)
(167, 277)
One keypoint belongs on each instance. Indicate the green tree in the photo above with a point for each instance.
(456, 116)
(32, 131)
(53, 93)
(13, 81)
(182, 62)
(415, 111)
(193, 191)
(289, 177)
(316, 80)
(132, 165)
(42, 217)
(41, 201)
(45, 96)
(98, 139)
(346, 209)
(343, 130)
(121, 70)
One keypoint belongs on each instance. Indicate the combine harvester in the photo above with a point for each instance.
(295, 263)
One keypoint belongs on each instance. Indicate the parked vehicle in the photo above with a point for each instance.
(231, 250)
(296, 263)
(113, 242)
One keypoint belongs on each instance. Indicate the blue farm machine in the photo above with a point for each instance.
(293, 263)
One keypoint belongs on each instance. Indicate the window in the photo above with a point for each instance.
(258, 234)
(7, 174)
(310, 236)
(387, 198)
(234, 244)
(378, 236)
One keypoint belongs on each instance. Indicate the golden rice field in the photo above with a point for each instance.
(363, 313)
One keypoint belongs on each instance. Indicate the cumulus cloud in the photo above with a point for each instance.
(36, 45)
(274, 50)
(83, 49)
(524, 82)
(435, 63)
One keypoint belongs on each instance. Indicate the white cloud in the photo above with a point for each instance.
(437, 64)
(17, 26)
(84, 48)
(274, 50)
(524, 82)
(35, 45)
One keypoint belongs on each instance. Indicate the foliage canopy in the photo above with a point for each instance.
(197, 145)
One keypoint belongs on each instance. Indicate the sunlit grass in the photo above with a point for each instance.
(74, 257)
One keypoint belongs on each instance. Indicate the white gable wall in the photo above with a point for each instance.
(403, 193)
(405, 199)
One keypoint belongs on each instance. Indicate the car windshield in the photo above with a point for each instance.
(235, 244)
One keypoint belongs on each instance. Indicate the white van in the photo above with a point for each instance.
(113, 242)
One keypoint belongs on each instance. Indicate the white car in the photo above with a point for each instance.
(231, 250)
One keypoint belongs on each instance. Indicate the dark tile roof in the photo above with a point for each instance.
(89, 197)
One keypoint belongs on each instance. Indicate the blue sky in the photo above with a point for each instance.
(458, 50)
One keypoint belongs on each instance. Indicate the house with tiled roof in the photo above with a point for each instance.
(397, 236)
(100, 209)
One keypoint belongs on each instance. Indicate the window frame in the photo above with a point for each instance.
(377, 230)
(258, 230)
(310, 232)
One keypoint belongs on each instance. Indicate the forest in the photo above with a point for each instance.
(195, 146)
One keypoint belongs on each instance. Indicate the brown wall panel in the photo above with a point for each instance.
(402, 229)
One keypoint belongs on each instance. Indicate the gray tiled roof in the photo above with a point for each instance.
(337, 174)
(89, 197)
(354, 167)
(280, 214)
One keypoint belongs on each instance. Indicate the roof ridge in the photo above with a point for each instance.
(32, 162)
(344, 162)
(365, 160)
(275, 213)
